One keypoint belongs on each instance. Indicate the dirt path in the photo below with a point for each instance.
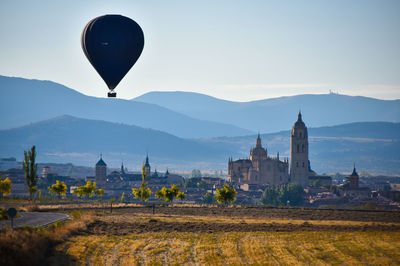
(267, 212)
(99, 227)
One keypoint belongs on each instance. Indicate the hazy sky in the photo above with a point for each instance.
(237, 50)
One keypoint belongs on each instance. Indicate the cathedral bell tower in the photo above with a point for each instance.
(299, 168)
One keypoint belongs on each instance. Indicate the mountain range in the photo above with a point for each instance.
(183, 131)
(70, 134)
(26, 101)
(275, 114)
(187, 114)
(373, 146)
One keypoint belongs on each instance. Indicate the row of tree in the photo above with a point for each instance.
(291, 194)
(224, 195)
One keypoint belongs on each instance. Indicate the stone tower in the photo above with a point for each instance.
(354, 179)
(101, 172)
(147, 167)
(299, 167)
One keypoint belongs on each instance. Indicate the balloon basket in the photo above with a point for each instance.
(112, 94)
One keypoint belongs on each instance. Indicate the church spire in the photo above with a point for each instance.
(258, 144)
(122, 169)
(354, 170)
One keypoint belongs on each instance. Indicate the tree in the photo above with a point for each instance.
(86, 190)
(317, 183)
(208, 198)
(142, 193)
(99, 192)
(5, 186)
(169, 194)
(226, 195)
(270, 196)
(59, 188)
(30, 168)
(292, 194)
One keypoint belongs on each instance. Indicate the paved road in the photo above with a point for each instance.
(35, 219)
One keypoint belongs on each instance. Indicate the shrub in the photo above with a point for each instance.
(76, 214)
(5, 186)
(3, 214)
(59, 188)
(226, 195)
(169, 194)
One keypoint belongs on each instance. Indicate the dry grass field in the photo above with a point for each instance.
(164, 239)
(236, 248)
(197, 235)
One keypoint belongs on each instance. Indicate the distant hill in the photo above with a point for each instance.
(275, 114)
(373, 146)
(26, 101)
(82, 140)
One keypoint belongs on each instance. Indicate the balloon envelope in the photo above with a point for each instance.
(112, 44)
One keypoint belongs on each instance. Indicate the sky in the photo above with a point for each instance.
(234, 50)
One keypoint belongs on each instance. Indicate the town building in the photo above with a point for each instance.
(263, 169)
(259, 168)
(352, 188)
(121, 181)
(101, 172)
(354, 179)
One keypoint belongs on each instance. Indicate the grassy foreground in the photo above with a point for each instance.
(317, 248)
(125, 238)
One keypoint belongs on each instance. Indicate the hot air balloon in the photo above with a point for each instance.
(112, 44)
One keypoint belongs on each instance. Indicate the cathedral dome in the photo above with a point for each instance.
(258, 152)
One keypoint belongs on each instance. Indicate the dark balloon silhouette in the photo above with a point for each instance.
(112, 44)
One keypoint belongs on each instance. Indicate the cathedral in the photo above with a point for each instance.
(263, 169)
